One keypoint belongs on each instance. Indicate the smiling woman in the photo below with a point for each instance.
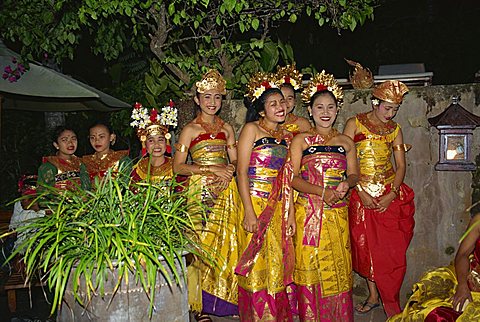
(266, 263)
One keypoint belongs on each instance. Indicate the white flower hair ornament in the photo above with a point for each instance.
(152, 123)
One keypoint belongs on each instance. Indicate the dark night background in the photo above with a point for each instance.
(442, 34)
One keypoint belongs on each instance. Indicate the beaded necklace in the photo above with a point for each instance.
(324, 137)
(277, 133)
(212, 128)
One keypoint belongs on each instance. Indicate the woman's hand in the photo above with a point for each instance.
(461, 295)
(250, 222)
(342, 189)
(291, 224)
(222, 171)
(384, 201)
(368, 201)
(330, 196)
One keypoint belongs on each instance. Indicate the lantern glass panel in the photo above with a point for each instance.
(455, 147)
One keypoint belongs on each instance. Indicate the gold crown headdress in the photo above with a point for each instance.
(322, 82)
(289, 75)
(361, 77)
(152, 123)
(211, 80)
(391, 91)
(258, 84)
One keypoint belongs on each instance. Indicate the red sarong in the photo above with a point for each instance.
(380, 241)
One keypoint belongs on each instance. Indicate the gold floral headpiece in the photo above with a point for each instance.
(152, 123)
(258, 84)
(391, 91)
(289, 75)
(322, 82)
(211, 80)
(361, 77)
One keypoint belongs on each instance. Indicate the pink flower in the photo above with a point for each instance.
(8, 69)
(171, 103)
(137, 105)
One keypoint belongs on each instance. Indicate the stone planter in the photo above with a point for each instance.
(129, 303)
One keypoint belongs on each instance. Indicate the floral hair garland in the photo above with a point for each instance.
(258, 84)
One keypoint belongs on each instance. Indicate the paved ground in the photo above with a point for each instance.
(36, 309)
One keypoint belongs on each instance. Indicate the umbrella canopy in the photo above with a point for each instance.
(43, 89)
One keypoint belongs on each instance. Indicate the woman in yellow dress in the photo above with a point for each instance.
(325, 168)
(102, 138)
(381, 207)
(266, 263)
(450, 293)
(153, 132)
(290, 80)
(211, 144)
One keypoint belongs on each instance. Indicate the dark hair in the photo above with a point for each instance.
(59, 130)
(254, 108)
(320, 93)
(104, 124)
(288, 85)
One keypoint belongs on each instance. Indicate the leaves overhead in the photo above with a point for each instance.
(185, 37)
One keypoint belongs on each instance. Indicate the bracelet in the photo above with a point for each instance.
(394, 189)
(181, 147)
(232, 146)
(359, 187)
(204, 169)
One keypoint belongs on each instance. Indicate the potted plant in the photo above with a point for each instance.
(115, 252)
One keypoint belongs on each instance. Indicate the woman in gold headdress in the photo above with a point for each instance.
(264, 177)
(381, 207)
(153, 132)
(450, 293)
(101, 138)
(64, 170)
(211, 144)
(325, 168)
(290, 80)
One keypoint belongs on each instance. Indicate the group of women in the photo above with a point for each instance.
(293, 204)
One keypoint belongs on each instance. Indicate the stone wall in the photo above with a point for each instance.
(442, 197)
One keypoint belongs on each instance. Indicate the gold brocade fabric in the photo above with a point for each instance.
(374, 152)
(63, 174)
(218, 234)
(268, 271)
(329, 263)
(98, 166)
(436, 289)
(157, 174)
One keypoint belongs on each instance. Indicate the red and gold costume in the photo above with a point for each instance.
(266, 263)
(63, 174)
(380, 239)
(431, 300)
(323, 264)
(98, 166)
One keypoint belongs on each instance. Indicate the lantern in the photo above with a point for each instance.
(455, 126)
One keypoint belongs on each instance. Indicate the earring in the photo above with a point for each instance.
(112, 143)
(262, 114)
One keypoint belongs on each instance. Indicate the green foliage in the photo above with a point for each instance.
(119, 226)
(185, 36)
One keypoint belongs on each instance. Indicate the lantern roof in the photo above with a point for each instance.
(455, 115)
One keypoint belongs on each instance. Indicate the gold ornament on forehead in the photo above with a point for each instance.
(322, 82)
(212, 80)
(259, 83)
(288, 75)
(391, 91)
